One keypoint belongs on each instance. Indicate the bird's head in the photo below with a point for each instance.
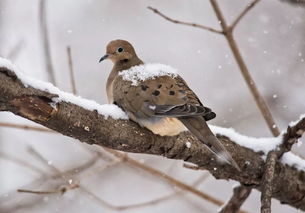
(119, 51)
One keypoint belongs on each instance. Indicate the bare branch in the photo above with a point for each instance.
(243, 13)
(240, 194)
(184, 23)
(46, 41)
(25, 127)
(21, 163)
(166, 177)
(71, 70)
(123, 157)
(40, 158)
(36, 183)
(61, 190)
(70, 119)
(147, 203)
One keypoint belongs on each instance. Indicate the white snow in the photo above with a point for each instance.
(256, 144)
(262, 144)
(293, 160)
(106, 109)
(292, 123)
(144, 72)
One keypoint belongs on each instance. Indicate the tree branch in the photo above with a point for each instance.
(243, 13)
(71, 70)
(240, 194)
(45, 41)
(183, 22)
(93, 128)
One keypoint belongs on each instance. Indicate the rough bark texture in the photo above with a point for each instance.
(90, 127)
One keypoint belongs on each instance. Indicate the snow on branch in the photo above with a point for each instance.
(108, 126)
(106, 109)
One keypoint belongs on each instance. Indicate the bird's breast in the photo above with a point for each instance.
(163, 126)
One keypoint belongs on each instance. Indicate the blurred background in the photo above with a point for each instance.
(271, 39)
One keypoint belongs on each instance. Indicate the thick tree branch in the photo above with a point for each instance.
(92, 128)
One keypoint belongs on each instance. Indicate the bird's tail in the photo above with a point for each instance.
(199, 127)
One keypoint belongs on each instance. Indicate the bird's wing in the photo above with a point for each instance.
(163, 96)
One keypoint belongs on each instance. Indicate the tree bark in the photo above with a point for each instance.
(124, 135)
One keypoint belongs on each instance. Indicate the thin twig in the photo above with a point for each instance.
(42, 159)
(184, 23)
(71, 70)
(60, 190)
(70, 186)
(25, 127)
(68, 173)
(21, 163)
(139, 205)
(46, 41)
(166, 177)
(243, 13)
(240, 194)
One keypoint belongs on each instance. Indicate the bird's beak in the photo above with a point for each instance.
(103, 58)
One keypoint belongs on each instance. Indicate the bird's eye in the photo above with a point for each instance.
(120, 49)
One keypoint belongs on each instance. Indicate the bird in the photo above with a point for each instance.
(164, 104)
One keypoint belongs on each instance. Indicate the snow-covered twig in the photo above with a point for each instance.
(291, 137)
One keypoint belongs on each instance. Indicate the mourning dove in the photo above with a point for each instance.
(163, 103)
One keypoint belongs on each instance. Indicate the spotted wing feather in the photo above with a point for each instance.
(161, 97)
